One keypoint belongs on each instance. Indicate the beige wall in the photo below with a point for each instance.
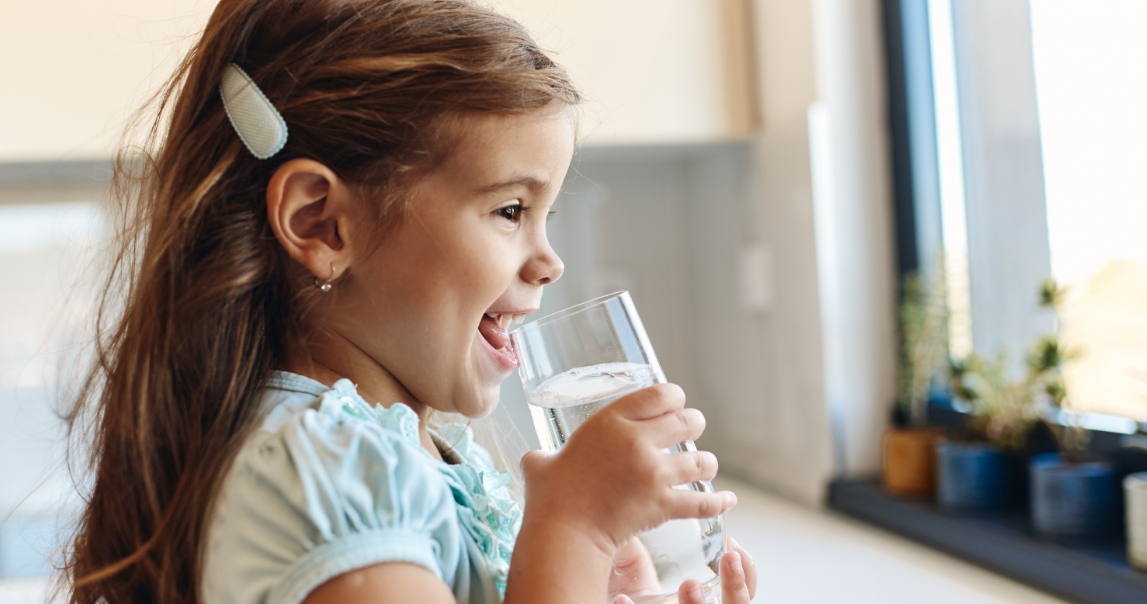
(71, 71)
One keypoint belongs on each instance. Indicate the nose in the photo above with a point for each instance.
(543, 267)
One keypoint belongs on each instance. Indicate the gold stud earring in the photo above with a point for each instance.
(326, 286)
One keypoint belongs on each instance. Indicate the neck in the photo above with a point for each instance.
(331, 357)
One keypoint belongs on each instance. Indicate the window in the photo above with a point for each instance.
(46, 309)
(1091, 84)
(1022, 155)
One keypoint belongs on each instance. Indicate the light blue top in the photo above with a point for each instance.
(330, 484)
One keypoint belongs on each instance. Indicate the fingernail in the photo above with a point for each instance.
(730, 500)
(742, 553)
(695, 592)
(735, 560)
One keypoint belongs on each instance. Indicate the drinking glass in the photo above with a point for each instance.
(573, 363)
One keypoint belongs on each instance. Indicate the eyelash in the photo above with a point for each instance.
(517, 210)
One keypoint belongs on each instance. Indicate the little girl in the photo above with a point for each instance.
(342, 208)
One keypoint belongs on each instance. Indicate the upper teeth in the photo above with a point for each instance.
(505, 321)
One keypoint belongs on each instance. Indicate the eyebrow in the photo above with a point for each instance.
(529, 182)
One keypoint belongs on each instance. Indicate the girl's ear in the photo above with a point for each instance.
(309, 207)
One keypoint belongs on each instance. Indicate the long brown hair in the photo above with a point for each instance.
(202, 300)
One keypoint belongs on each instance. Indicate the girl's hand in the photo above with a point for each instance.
(738, 581)
(612, 478)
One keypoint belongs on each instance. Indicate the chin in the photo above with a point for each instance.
(479, 403)
(487, 404)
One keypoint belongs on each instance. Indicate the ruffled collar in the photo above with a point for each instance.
(485, 508)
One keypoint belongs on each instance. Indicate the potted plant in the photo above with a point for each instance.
(975, 466)
(908, 446)
(1072, 495)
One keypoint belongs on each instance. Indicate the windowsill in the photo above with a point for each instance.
(1093, 573)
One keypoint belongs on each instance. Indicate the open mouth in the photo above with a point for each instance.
(493, 328)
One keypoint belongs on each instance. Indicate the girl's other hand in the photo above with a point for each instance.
(738, 580)
(633, 572)
(612, 479)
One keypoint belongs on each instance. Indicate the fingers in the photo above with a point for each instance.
(691, 467)
(690, 593)
(734, 588)
(747, 564)
(738, 580)
(674, 427)
(622, 599)
(661, 411)
(650, 402)
(687, 503)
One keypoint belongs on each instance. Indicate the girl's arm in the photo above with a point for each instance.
(387, 583)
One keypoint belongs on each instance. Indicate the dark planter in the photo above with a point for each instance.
(1019, 482)
(1072, 500)
(970, 476)
(1039, 441)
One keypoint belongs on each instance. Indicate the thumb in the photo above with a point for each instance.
(533, 461)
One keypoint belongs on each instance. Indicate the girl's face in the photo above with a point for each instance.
(431, 303)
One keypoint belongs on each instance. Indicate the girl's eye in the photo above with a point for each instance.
(512, 213)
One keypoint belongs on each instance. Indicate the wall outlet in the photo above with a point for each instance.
(758, 283)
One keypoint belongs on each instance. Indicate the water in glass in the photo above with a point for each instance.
(679, 549)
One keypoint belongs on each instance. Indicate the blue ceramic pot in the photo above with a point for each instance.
(1071, 500)
(970, 476)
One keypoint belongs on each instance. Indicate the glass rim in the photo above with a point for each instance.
(571, 311)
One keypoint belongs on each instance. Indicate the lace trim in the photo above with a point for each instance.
(490, 516)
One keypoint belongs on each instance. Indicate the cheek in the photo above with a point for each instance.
(490, 268)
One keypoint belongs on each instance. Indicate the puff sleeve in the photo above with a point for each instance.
(328, 491)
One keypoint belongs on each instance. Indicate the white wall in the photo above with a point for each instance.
(817, 367)
(855, 238)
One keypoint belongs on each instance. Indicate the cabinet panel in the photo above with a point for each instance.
(653, 71)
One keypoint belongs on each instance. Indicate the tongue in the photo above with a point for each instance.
(494, 334)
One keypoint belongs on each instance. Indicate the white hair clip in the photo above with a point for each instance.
(258, 123)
